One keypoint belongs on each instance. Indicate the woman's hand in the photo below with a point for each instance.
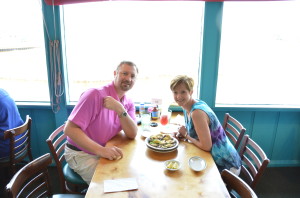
(181, 132)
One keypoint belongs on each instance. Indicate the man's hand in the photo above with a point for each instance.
(111, 153)
(112, 104)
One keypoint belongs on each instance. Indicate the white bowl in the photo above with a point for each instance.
(197, 163)
(172, 165)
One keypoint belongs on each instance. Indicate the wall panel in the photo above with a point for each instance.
(43, 123)
(286, 149)
(277, 132)
(264, 129)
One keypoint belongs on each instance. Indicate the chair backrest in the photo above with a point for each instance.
(235, 185)
(70, 181)
(234, 130)
(20, 147)
(32, 180)
(56, 143)
(254, 160)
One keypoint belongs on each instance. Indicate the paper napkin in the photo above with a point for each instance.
(123, 184)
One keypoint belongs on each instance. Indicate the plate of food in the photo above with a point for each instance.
(161, 142)
(197, 163)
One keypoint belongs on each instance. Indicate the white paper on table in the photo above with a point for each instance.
(170, 128)
(116, 185)
(179, 119)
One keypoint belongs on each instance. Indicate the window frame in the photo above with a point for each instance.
(208, 64)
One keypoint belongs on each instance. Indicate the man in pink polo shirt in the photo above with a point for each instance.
(99, 115)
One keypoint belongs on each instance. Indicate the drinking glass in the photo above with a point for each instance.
(165, 118)
(145, 121)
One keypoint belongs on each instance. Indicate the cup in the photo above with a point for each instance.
(145, 121)
(165, 116)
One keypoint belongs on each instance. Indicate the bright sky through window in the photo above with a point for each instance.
(259, 54)
(22, 51)
(162, 38)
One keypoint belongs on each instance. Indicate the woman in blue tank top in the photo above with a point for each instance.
(202, 126)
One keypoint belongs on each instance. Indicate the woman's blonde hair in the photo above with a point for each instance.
(187, 81)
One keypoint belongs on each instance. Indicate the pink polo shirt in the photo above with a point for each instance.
(97, 122)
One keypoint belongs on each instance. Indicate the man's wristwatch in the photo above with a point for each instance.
(123, 114)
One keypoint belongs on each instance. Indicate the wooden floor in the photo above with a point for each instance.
(276, 183)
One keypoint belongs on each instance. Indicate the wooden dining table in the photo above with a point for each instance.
(153, 179)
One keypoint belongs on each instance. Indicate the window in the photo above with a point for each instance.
(162, 38)
(259, 54)
(22, 51)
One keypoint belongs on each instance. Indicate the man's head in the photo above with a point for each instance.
(125, 76)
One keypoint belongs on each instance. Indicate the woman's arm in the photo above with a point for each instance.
(201, 124)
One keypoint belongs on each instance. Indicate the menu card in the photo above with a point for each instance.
(123, 184)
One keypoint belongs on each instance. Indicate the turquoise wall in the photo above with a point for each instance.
(277, 131)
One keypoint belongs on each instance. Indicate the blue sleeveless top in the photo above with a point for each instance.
(223, 152)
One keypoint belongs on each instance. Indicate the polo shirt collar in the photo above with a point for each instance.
(114, 94)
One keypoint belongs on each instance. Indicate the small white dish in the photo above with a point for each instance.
(146, 133)
(197, 163)
(172, 165)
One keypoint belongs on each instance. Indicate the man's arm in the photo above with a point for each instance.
(128, 125)
(81, 139)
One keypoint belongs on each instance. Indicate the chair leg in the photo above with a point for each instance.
(4, 179)
(30, 156)
(13, 169)
(75, 189)
(5, 175)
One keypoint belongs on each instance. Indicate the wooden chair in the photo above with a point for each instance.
(254, 161)
(19, 148)
(234, 130)
(70, 181)
(33, 180)
(236, 186)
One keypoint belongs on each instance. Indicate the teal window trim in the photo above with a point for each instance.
(52, 19)
(210, 52)
(256, 108)
(33, 105)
